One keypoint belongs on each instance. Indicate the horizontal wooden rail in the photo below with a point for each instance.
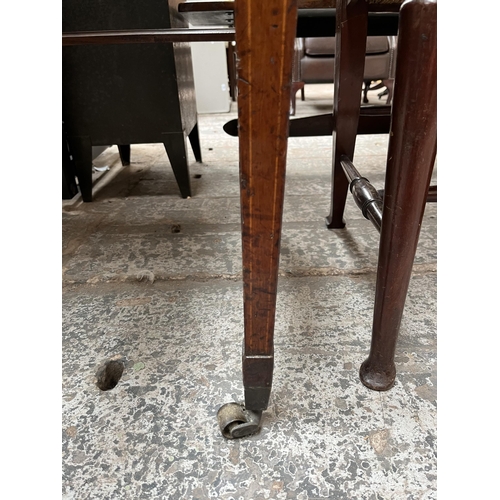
(148, 36)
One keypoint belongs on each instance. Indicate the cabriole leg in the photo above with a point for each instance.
(412, 150)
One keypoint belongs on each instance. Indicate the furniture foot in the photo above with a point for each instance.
(194, 139)
(235, 421)
(374, 378)
(350, 49)
(175, 146)
(258, 368)
(124, 150)
(411, 155)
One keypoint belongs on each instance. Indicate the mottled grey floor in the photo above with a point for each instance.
(169, 304)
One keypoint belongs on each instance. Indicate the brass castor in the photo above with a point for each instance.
(235, 421)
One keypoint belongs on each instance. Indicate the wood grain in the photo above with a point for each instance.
(265, 36)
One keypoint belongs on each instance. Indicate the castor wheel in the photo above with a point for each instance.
(235, 421)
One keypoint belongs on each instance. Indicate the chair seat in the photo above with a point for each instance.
(316, 59)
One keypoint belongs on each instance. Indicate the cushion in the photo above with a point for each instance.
(325, 46)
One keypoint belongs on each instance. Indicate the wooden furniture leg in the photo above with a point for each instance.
(175, 146)
(194, 139)
(124, 151)
(350, 49)
(412, 150)
(265, 35)
(296, 86)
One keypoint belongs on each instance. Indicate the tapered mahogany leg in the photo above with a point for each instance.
(265, 34)
(412, 150)
(350, 48)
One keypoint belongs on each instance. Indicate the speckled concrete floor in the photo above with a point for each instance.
(169, 305)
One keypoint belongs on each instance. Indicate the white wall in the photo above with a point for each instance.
(211, 77)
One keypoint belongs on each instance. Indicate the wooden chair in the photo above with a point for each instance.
(316, 63)
(263, 143)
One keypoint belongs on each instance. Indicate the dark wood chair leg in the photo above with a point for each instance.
(175, 146)
(81, 151)
(263, 137)
(194, 139)
(124, 150)
(350, 48)
(412, 150)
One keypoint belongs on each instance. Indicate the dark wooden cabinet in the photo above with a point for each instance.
(127, 94)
